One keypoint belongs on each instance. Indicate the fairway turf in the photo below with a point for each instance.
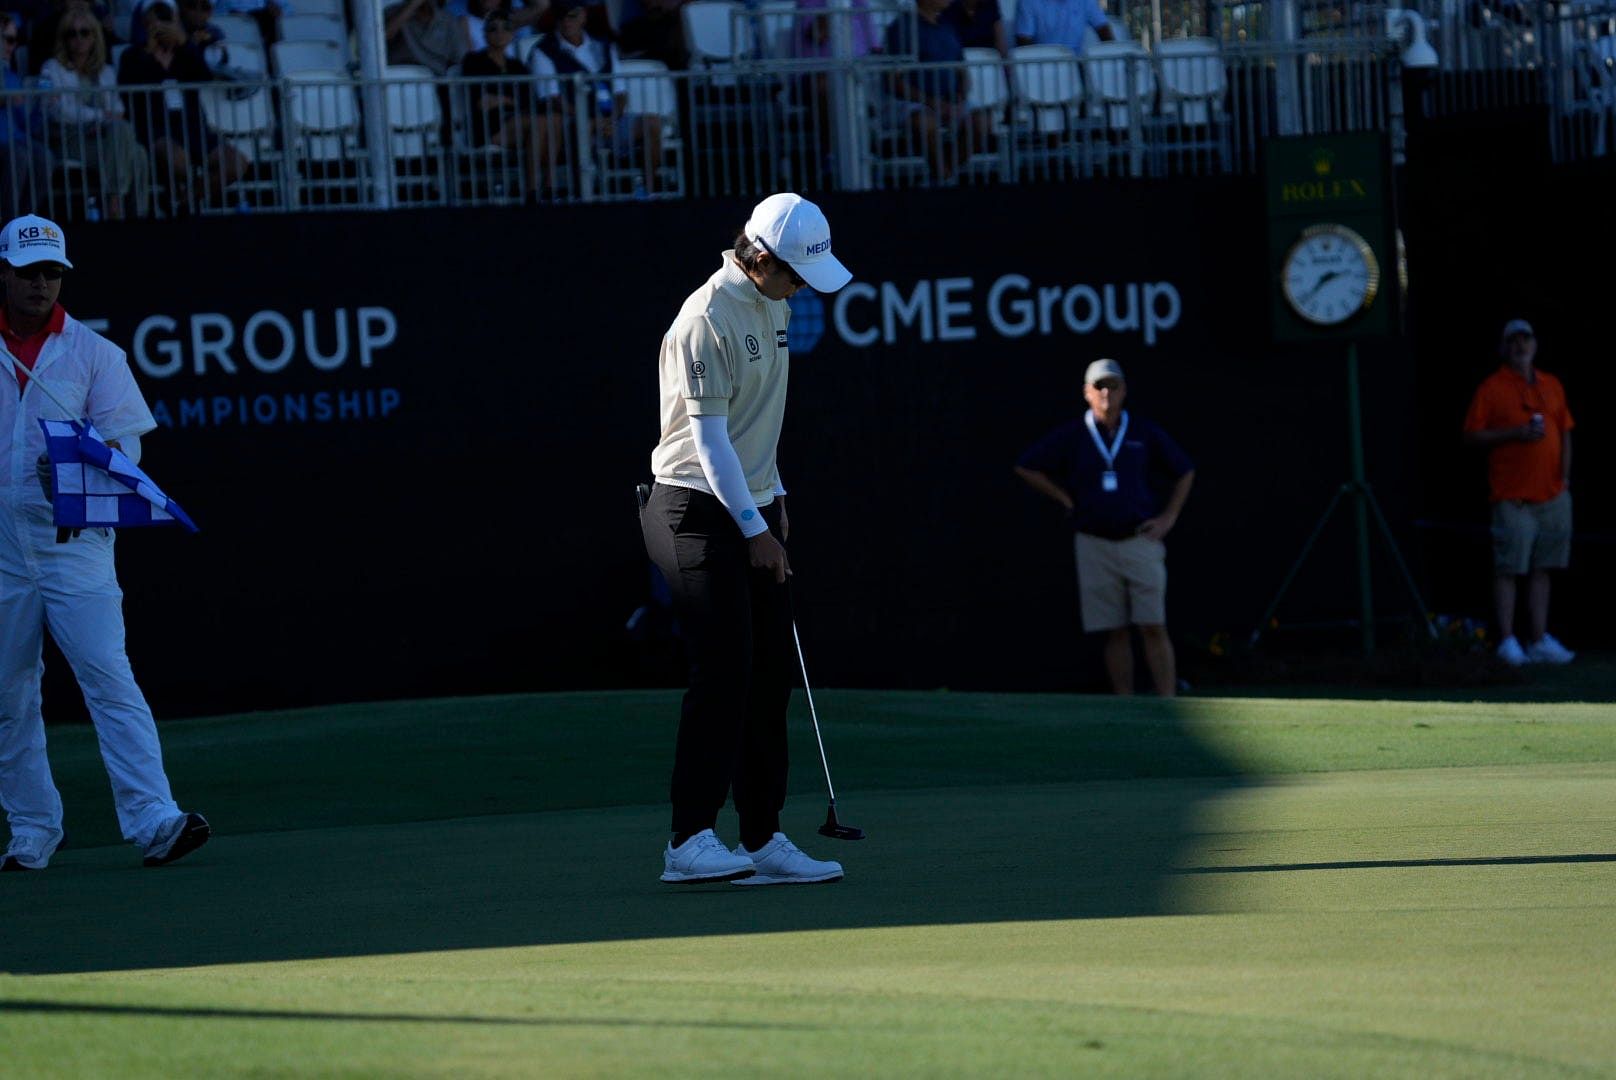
(1052, 885)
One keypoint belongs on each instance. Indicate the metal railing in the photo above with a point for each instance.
(300, 142)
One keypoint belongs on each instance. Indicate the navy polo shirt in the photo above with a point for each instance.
(934, 43)
(1147, 463)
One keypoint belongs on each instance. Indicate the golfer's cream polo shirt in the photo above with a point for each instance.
(724, 355)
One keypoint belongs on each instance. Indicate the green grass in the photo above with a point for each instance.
(1052, 885)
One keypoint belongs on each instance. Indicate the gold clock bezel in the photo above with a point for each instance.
(1349, 236)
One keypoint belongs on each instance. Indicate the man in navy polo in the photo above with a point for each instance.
(1105, 468)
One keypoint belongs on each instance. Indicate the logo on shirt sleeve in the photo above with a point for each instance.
(780, 339)
(698, 369)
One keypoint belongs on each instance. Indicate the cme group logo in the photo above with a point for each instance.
(807, 324)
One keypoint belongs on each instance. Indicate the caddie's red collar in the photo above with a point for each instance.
(53, 325)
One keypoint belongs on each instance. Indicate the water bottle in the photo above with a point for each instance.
(639, 189)
(603, 100)
(242, 206)
(92, 210)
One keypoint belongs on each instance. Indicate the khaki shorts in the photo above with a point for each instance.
(1121, 582)
(1532, 536)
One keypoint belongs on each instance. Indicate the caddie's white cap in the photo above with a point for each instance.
(1103, 369)
(32, 239)
(792, 229)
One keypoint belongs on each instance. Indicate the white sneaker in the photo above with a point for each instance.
(1510, 652)
(780, 862)
(1546, 650)
(30, 852)
(703, 858)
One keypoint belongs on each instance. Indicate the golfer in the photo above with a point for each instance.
(715, 525)
(66, 581)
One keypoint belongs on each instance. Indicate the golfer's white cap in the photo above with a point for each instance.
(32, 239)
(1515, 326)
(1103, 369)
(791, 228)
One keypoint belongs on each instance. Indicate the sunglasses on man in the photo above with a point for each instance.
(35, 271)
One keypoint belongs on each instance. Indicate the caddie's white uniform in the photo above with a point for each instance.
(73, 588)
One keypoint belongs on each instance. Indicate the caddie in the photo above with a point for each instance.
(715, 525)
(66, 581)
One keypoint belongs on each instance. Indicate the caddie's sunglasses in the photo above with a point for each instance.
(36, 271)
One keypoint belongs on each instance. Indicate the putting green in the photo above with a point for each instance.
(1051, 885)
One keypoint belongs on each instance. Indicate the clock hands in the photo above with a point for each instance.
(1329, 276)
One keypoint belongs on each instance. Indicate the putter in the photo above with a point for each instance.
(832, 828)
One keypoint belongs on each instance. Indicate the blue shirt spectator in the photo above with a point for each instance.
(935, 41)
(1147, 462)
(1060, 22)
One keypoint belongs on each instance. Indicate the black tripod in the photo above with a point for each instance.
(1364, 504)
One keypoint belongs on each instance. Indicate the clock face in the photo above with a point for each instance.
(1330, 275)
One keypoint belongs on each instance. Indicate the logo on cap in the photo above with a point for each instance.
(819, 248)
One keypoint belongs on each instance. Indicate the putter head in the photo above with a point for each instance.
(837, 831)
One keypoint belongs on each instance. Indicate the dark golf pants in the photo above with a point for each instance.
(736, 623)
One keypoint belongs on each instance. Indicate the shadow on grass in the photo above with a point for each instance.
(159, 1012)
(350, 832)
(1392, 864)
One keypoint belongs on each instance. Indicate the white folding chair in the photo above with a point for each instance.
(651, 93)
(322, 116)
(238, 29)
(244, 116)
(1049, 84)
(414, 120)
(293, 57)
(1119, 79)
(246, 56)
(716, 38)
(987, 93)
(315, 28)
(330, 8)
(1193, 80)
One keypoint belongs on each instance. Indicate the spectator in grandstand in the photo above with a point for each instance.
(570, 50)
(87, 115)
(421, 32)
(518, 15)
(814, 36)
(930, 103)
(980, 25)
(505, 114)
(203, 39)
(1060, 22)
(43, 29)
(1104, 470)
(24, 160)
(170, 125)
(657, 32)
(597, 21)
(1520, 417)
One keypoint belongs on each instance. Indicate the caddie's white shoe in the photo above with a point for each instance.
(1510, 652)
(780, 862)
(30, 852)
(1546, 650)
(702, 859)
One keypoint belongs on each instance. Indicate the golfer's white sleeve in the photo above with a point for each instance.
(722, 467)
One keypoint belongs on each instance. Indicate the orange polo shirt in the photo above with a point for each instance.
(27, 348)
(1529, 471)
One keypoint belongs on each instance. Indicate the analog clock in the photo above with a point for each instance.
(1330, 275)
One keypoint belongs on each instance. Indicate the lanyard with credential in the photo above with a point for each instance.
(1108, 479)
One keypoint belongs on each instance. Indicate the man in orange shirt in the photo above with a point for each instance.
(1519, 416)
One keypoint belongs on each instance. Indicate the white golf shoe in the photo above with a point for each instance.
(1510, 652)
(702, 859)
(780, 862)
(30, 852)
(1546, 650)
